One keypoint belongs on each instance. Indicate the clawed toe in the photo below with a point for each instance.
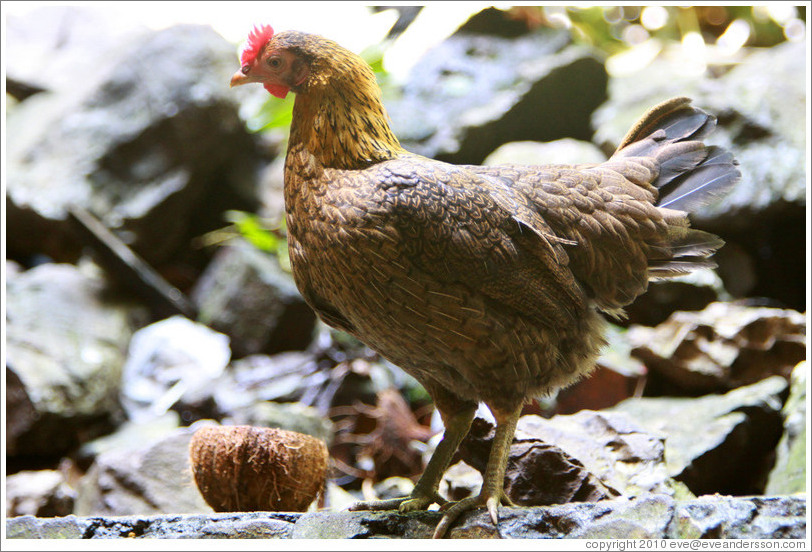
(403, 505)
(420, 503)
(454, 510)
(377, 505)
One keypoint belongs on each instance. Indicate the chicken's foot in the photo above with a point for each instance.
(425, 492)
(492, 492)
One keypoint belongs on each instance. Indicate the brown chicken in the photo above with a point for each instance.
(486, 284)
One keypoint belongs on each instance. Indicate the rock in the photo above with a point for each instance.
(757, 121)
(475, 92)
(538, 473)
(142, 479)
(42, 493)
(172, 364)
(644, 517)
(719, 348)
(247, 525)
(64, 345)
(717, 443)
(720, 517)
(566, 150)
(290, 390)
(655, 516)
(460, 481)
(764, 124)
(281, 378)
(45, 41)
(621, 453)
(353, 525)
(145, 432)
(12, 269)
(789, 474)
(246, 295)
(393, 487)
(290, 416)
(150, 142)
(30, 527)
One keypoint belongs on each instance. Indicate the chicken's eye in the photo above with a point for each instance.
(275, 62)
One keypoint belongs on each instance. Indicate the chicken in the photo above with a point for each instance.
(485, 283)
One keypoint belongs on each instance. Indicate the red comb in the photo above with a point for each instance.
(256, 40)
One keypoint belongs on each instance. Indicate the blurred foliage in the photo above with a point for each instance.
(616, 28)
(259, 232)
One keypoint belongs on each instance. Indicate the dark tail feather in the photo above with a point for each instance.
(699, 187)
(677, 120)
(661, 270)
(694, 243)
(685, 250)
(691, 173)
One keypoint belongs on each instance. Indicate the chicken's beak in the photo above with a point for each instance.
(239, 78)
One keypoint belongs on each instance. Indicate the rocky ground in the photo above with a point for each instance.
(653, 516)
(127, 330)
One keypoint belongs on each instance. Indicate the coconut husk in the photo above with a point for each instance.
(245, 468)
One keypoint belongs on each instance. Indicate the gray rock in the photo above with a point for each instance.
(144, 433)
(30, 527)
(789, 474)
(248, 525)
(460, 481)
(538, 473)
(723, 517)
(170, 364)
(283, 377)
(612, 446)
(716, 443)
(474, 92)
(393, 487)
(289, 416)
(354, 525)
(564, 151)
(245, 294)
(48, 46)
(644, 517)
(760, 104)
(653, 516)
(43, 493)
(765, 126)
(139, 479)
(64, 345)
(148, 141)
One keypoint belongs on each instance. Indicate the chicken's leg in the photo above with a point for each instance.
(425, 491)
(492, 492)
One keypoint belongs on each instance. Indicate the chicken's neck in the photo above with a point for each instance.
(343, 127)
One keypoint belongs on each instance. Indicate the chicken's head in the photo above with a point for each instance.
(267, 61)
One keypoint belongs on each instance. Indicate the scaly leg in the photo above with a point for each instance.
(492, 492)
(425, 491)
